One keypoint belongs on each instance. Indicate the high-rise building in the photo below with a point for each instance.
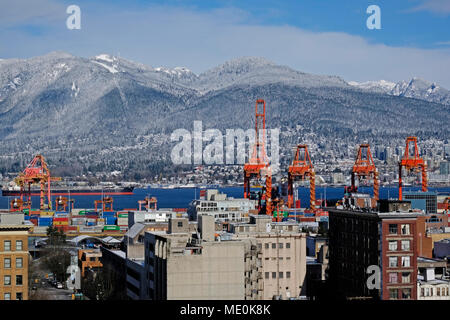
(282, 247)
(385, 241)
(181, 265)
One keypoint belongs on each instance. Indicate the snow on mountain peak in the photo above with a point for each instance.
(381, 85)
(105, 57)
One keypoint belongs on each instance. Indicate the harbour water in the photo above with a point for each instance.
(180, 198)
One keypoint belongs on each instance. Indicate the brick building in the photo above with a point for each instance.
(389, 240)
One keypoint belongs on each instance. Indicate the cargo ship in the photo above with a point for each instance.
(73, 191)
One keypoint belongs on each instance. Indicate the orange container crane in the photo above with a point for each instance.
(36, 172)
(106, 202)
(258, 165)
(364, 167)
(149, 203)
(412, 163)
(302, 167)
(61, 203)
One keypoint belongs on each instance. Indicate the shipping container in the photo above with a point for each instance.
(26, 217)
(60, 219)
(110, 228)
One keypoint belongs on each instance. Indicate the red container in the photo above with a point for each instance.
(297, 203)
(179, 210)
(308, 219)
(34, 221)
(60, 219)
(91, 217)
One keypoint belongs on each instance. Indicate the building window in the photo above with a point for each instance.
(393, 277)
(7, 245)
(288, 245)
(393, 229)
(392, 245)
(392, 261)
(406, 277)
(280, 275)
(405, 261)
(405, 245)
(280, 245)
(288, 274)
(438, 291)
(406, 294)
(180, 224)
(7, 296)
(393, 293)
(7, 280)
(274, 275)
(19, 296)
(19, 263)
(405, 229)
(422, 292)
(266, 246)
(274, 245)
(19, 280)
(288, 258)
(19, 245)
(7, 263)
(267, 275)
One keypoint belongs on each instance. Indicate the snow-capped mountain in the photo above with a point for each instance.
(415, 88)
(106, 111)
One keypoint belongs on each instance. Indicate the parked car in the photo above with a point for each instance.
(59, 285)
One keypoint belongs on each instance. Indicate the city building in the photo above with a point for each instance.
(14, 259)
(433, 281)
(89, 259)
(426, 201)
(191, 266)
(313, 244)
(387, 240)
(442, 249)
(283, 255)
(316, 273)
(223, 208)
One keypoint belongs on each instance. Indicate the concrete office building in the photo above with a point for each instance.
(14, 258)
(223, 208)
(359, 239)
(191, 266)
(282, 253)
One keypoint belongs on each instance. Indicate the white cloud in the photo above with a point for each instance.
(163, 36)
(436, 6)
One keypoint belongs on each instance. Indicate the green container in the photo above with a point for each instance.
(107, 228)
(26, 211)
(123, 215)
(82, 212)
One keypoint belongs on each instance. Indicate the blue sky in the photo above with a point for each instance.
(316, 36)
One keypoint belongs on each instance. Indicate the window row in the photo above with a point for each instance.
(280, 245)
(397, 293)
(405, 261)
(280, 275)
(275, 258)
(7, 296)
(7, 263)
(405, 277)
(429, 292)
(405, 245)
(7, 245)
(7, 280)
(404, 228)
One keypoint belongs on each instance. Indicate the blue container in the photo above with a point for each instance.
(45, 221)
(309, 214)
(90, 223)
(27, 217)
(109, 213)
(110, 220)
